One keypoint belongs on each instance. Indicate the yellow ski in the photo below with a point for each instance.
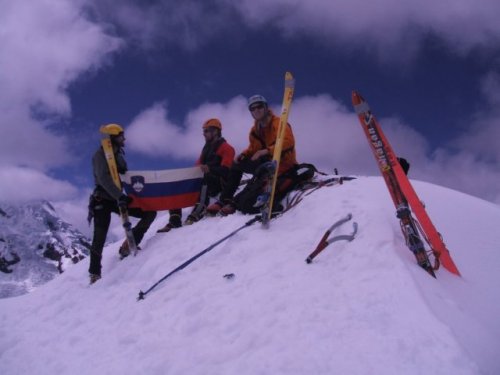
(113, 170)
(285, 109)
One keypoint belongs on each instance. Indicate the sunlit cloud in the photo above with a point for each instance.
(327, 134)
(24, 184)
(46, 45)
(154, 134)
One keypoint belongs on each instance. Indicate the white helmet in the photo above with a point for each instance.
(256, 99)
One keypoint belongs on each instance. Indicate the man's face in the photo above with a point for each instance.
(119, 140)
(258, 111)
(209, 133)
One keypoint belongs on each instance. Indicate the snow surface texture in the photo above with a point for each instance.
(361, 307)
(36, 245)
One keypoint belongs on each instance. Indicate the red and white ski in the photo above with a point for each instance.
(403, 195)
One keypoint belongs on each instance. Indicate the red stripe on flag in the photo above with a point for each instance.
(165, 203)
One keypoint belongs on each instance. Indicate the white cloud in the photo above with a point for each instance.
(234, 116)
(153, 134)
(327, 134)
(392, 27)
(24, 184)
(188, 23)
(75, 211)
(483, 133)
(26, 142)
(46, 45)
(325, 131)
(471, 161)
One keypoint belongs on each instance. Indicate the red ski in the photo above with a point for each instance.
(403, 195)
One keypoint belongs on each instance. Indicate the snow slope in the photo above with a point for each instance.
(36, 245)
(362, 307)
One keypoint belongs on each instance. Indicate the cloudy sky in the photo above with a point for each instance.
(430, 70)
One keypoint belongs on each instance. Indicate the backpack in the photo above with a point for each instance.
(292, 179)
(404, 164)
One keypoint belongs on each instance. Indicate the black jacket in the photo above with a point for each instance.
(105, 188)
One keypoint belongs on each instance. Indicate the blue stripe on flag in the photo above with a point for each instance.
(151, 190)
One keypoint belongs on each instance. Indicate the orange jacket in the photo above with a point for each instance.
(265, 138)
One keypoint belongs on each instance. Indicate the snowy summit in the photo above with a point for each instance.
(36, 245)
(361, 307)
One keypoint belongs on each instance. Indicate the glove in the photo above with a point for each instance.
(205, 168)
(262, 155)
(124, 201)
(240, 158)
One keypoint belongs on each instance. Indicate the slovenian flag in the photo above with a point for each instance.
(163, 190)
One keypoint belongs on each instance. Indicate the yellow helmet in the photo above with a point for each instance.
(212, 123)
(111, 129)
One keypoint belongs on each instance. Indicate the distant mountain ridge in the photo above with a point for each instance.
(35, 246)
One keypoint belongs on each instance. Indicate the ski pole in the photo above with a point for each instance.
(192, 259)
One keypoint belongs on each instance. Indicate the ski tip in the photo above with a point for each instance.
(356, 98)
(426, 266)
(431, 272)
(288, 76)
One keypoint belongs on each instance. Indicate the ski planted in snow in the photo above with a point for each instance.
(403, 195)
(267, 207)
(265, 173)
(113, 170)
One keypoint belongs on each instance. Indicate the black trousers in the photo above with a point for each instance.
(235, 175)
(211, 186)
(102, 219)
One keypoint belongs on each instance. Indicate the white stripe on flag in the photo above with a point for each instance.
(166, 175)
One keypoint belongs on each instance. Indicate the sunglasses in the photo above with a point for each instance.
(255, 107)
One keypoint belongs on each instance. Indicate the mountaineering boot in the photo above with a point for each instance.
(191, 219)
(228, 209)
(94, 278)
(214, 208)
(124, 250)
(174, 222)
(196, 214)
